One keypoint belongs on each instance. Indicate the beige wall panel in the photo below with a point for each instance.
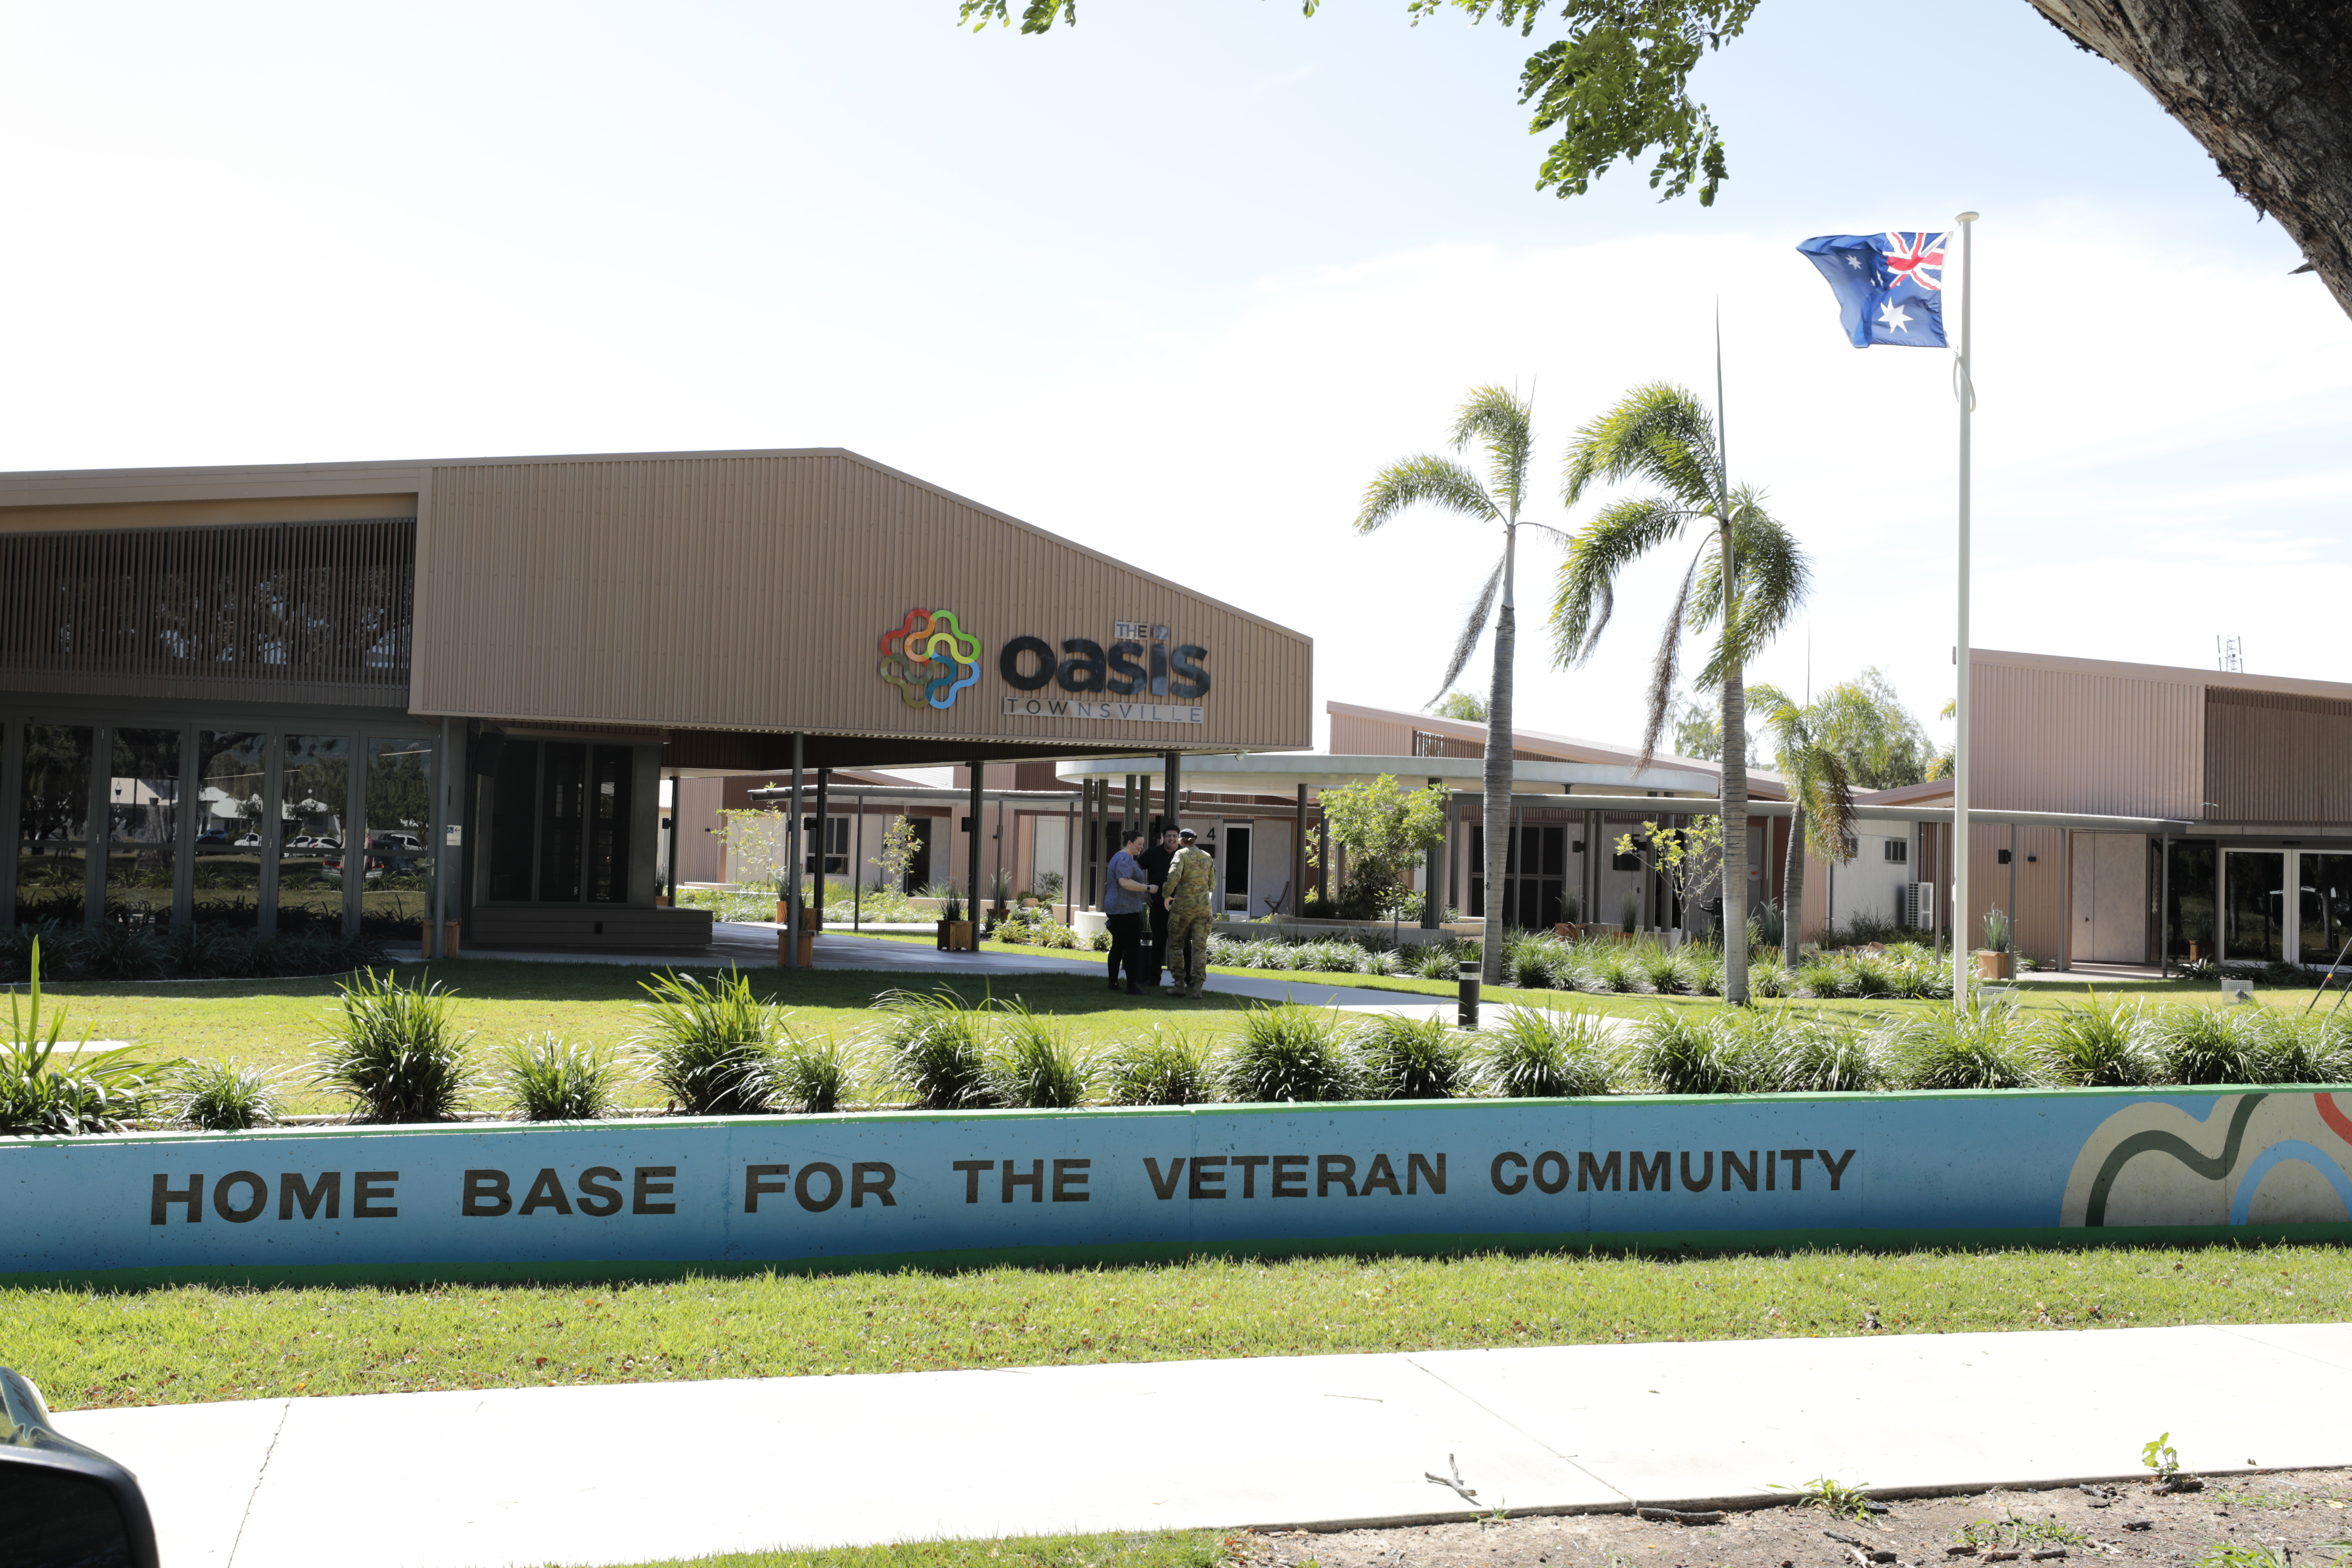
(751, 593)
(1355, 736)
(203, 513)
(2054, 739)
(2039, 919)
(2269, 757)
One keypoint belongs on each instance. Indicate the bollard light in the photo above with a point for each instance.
(1467, 976)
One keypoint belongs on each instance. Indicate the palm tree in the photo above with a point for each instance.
(1745, 579)
(1502, 422)
(1820, 788)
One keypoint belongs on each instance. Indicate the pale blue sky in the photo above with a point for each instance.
(1176, 281)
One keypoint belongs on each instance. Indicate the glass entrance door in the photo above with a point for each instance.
(2253, 905)
(2326, 907)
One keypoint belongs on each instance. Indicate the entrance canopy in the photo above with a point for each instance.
(1285, 773)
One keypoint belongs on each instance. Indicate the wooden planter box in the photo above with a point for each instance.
(956, 936)
(808, 949)
(1991, 966)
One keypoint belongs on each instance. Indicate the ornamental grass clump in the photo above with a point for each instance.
(1436, 961)
(1544, 1053)
(1167, 1064)
(1034, 1066)
(1824, 1054)
(1289, 1053)
(934, 1044)
(1610, 968)
(546, 1078)
(2100, 1045)
(2302, 1048)
(1409, 1058)
(46, 1086)
(224, 1096)
(2207, 1045)
(1979, 1045)
(395, 1051)
(1661, 970)
(815, 1071)
(710, 1044)
(1688, 1052)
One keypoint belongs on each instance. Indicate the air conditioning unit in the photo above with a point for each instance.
(1919, 905)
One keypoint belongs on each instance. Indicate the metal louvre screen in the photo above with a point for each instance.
(318, 611)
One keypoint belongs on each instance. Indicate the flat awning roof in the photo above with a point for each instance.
(1281, 772)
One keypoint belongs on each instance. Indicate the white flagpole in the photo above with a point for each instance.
(1963, 938)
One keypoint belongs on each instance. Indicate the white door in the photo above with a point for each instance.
(2110, 898)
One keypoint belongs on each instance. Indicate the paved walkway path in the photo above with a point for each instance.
(754, 946)
(623, 1474)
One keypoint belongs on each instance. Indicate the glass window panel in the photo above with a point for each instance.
(2191, 891)
(53, 824)
(314, 793)
(228, 826)
(2326, 908)
(143, 808)
(608, 841)
(2254, 898)
(399, 891)
(562, 784)
(514, 793)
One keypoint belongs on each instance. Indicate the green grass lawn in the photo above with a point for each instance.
(189, 1344)
(274, 1022)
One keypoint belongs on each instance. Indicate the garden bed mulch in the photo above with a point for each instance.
(2300, 1516)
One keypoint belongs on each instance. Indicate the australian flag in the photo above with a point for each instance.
(1889, 287)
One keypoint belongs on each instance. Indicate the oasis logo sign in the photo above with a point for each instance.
(930, 658)
(1138, 663)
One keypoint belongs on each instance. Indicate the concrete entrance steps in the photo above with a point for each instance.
(608, 1475)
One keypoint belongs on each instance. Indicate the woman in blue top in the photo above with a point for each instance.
(1127, 902)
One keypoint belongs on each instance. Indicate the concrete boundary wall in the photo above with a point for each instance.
(888, 1189)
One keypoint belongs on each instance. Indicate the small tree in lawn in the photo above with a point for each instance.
(895, 857)
(1386, 832)
(1690, 859)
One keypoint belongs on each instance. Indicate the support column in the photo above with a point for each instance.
(272, 829)
(355, 834)
(1170, 780)
(856, 868)
(676, 827)
(2164, 906)
(12, 821)
(437, 825)
(971, 858)
(183, 830)
(823, 838)
(1298, 859)
(792, 864)
(97, 832)
(1129, 822)
(1433, 876)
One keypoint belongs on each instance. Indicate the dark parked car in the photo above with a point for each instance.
(63, 1505)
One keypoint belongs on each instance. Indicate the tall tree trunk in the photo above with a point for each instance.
(1734, 798)
(1498, 764)
(1792, 889)
(2265, 85)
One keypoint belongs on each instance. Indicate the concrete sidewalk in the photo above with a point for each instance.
(623, 1474)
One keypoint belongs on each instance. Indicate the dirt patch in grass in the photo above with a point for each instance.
(2303, 1513)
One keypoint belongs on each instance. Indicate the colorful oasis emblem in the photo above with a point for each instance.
(929, 659)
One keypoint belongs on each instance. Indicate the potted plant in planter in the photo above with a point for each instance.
(1628, 914)
(783, 891)
(1992, 958)
(955, 931)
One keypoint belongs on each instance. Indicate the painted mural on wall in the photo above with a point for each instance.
(903, 1186)
(2251, 1159)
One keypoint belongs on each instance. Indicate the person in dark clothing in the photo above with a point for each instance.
(1127, 902)
(1155, 862)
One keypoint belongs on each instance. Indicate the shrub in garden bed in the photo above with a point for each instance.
(546, 1078)
(193, 951)
(1034, 1066)
(1166, 1065)
(46, 1089)
(223, 1096)
(1691, 1052)
(1289, 1053)
(710, 1044)
(1408, 1058)
(1541, 1052)
(395, 1052)
(1980, 1046)
(934, 1045)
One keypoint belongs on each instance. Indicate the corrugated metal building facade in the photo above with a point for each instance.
(477, 672)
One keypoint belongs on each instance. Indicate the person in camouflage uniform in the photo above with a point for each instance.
(1191, 881)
